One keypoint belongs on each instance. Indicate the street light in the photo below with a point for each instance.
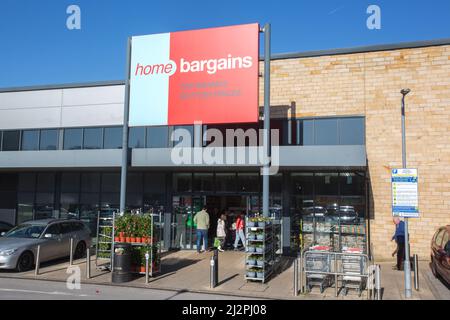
(407, 265)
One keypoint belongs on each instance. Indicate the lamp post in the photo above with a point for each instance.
(407, 265)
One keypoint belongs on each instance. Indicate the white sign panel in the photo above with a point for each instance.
(405, 197)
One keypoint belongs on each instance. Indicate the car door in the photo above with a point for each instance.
(52, 243)
(443, 265)
(439, 253)
(67, 233)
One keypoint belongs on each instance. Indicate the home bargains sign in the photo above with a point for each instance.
(208, 76)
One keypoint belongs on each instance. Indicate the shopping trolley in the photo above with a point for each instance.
(353, 267)
(318, 262)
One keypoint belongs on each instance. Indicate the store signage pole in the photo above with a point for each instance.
(407, 265)
(123, 177)
(266, 139)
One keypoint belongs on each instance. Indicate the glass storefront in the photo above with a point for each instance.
(328, 209)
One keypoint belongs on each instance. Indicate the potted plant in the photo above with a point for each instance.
(251, 248)
(260, 261)
(260, 274)
(260, 235)
(251, 236)
(259, 248)
(251, 222)
(251, 260)
(251, 272)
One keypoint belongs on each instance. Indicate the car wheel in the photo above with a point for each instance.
(25, 262)
(80, 250)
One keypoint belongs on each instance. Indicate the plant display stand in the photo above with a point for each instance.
(140, 231)
(261, 249)
(104, 238)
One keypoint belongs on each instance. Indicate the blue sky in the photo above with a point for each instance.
(37, 48)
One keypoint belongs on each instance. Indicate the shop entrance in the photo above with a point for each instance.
(185, 207)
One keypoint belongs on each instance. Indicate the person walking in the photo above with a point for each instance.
(201, 219)
(399, 237)
(221, 233)
(239, 232)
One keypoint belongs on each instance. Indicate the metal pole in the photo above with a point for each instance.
(296, 277)
(123, 178)
(38, 262)
(266, 136)
(335, 276)
(88, 263)
(212, 283)
(407, 264)
(416, 272)
(146, 267)
(71, 251)
(378, 282)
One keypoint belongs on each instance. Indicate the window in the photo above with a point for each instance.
(157, 137)
(308, 132)
(136, 138)
(49, 139)
(54, 229)
(90, 182)
(182, 182)
(30, 140)
(203, 182)
(113, 138)
(325, 132)
(351, 131)
(93, 138)
(72, 139)
(11, 140)
(70, 182)
(111, 182)
(248, 182)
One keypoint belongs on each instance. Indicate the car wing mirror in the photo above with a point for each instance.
(49, 236)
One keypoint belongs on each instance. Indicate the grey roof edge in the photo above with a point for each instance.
(65, 86)
(363, 49)
(279, 56)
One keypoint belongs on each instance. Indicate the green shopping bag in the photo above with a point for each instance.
(216, 242)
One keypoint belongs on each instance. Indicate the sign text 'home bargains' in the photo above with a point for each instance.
(208, 76)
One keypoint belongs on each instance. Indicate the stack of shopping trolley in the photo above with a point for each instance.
(353, 266)
(318, 260)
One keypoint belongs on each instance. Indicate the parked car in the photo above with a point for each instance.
(5, 227)
(18, 247)
(440, 254)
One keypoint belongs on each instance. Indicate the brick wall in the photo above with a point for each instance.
(369, 84)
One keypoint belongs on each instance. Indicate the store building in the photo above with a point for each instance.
(338, 112)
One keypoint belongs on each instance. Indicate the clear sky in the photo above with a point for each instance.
(36, 48)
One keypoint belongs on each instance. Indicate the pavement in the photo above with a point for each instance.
(188, 272)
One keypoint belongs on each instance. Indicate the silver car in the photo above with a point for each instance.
(18, 247)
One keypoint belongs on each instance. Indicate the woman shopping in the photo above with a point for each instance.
(221, 233)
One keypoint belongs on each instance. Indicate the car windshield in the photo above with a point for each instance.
(29, 231)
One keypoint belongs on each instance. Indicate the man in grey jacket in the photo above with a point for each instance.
(201, 219)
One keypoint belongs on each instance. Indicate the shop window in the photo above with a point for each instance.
(49, 139)
(158, 137)
(351, 131)
(155, 182)
(136, 138)
(134, 182)
(73, 139)
(93, 138)
(182, 182)
(45, 182)
(90, 199)
(302, 184)
(25, 206)
(248, 182)
(203, 182)
(30, 140)
(275, 183)
(27, 182)
(110, 201)
(11, 140)
(70, 182)
(90, 182)
(111, 182)
(113, 138)
(226, 182)
(326, 183)
(351, 183)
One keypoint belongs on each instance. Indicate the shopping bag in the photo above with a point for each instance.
(217, 242)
